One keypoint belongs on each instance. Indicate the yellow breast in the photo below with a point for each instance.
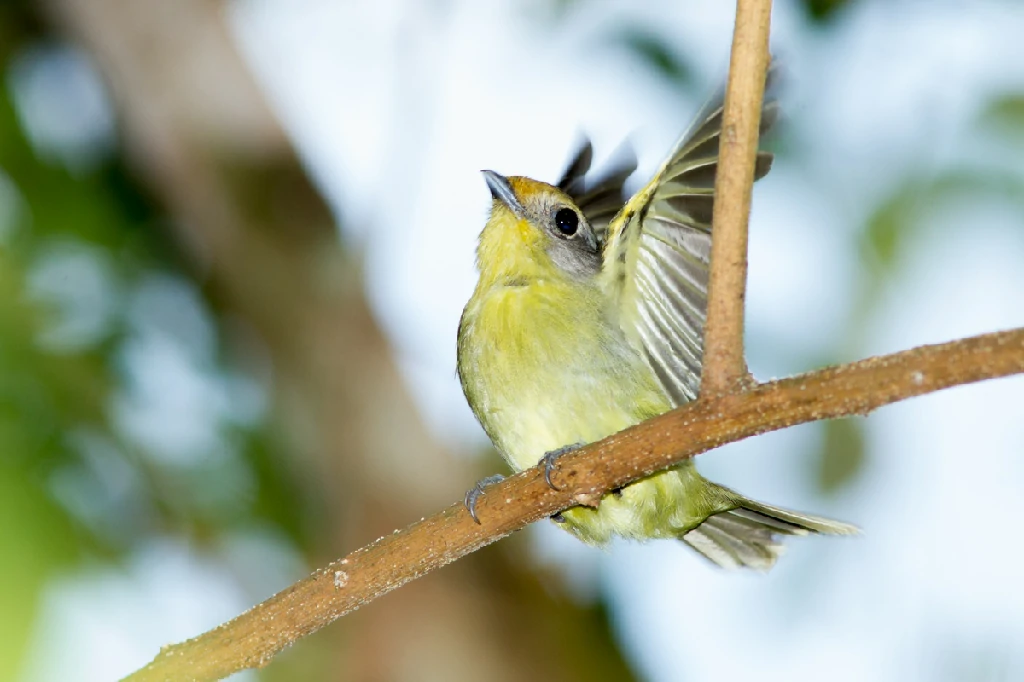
(543, 367)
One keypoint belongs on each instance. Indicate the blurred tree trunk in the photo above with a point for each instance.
(260, 239)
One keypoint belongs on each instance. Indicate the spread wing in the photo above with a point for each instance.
(601, 198)
(658, 248)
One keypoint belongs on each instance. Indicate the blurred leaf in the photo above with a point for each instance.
(885, 228)
(35, 542)
(1005, 114)
(901, 215)
(40, 393)
(655, 53)
(842, 455)
(824, 10)
(280, 496)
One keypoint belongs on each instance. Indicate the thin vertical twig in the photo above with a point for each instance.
(725, 368)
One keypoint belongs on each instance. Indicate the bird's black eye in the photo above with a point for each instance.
(567, 221)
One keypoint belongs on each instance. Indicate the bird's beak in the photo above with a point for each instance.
(502, 191)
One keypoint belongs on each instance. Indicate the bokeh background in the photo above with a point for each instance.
(235, 240)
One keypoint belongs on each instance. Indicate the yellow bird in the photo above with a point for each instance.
(588, 317)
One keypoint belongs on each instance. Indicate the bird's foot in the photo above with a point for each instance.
(476, 491)
(549, 461)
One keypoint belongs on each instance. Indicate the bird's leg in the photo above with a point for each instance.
(476, 491)
(549, 461)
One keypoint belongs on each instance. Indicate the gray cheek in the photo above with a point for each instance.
(574, 257)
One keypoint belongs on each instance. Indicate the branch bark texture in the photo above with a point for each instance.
(252, 639)
(725, 368)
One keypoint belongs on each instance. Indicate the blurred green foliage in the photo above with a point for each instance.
(842, 454)
(75, 486)
(1005, 112)
(656, 54)
(824, 10)
(900, 217)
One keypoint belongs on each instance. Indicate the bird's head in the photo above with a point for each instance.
(534, 231)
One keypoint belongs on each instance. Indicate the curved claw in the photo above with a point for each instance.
(549, 462)
(476, 491)
(549, 466)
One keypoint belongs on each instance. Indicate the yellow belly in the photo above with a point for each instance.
(541, 372)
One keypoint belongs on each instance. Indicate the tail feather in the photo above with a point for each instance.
(746, 536)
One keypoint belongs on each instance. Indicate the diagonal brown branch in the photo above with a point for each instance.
(725, 369)
(343, 586)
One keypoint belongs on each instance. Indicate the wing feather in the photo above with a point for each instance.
(658, 247)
